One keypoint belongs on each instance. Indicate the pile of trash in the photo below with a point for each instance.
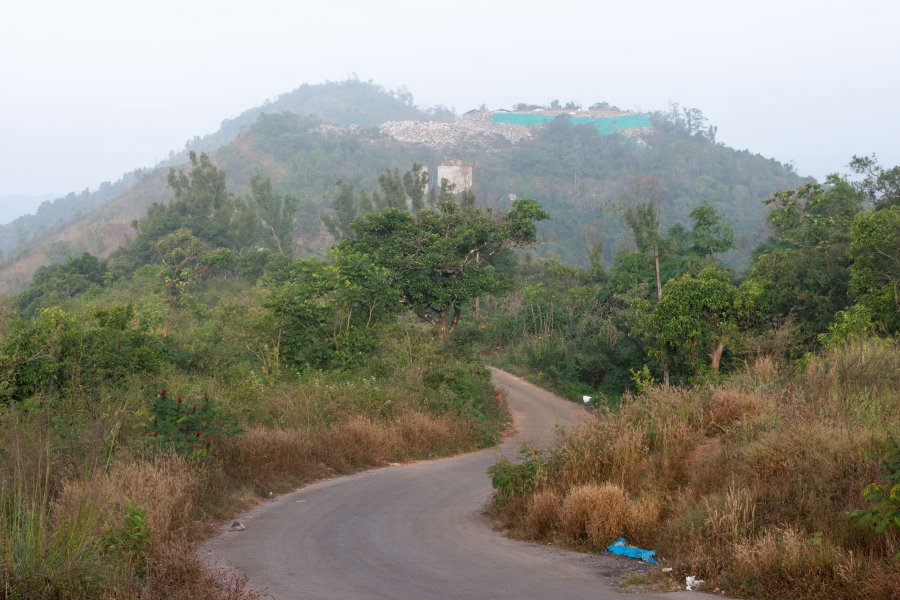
(473, 129)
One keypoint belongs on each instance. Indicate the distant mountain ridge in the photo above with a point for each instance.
(343, 103)
(576, 173)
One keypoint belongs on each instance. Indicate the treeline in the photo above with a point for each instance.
(745, 425)
(352, 101)
(669, 309)
(580, 176)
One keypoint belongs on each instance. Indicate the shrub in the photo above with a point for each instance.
(595, 513)
(188, 428)
(883, 511)
(543, 513)
(515, 479)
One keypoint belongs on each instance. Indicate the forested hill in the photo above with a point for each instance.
(350, 102)
(345, 103)
(583, 178)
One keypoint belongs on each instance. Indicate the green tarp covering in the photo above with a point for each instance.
(605, 125)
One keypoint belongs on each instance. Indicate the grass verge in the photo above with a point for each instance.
(749, 485)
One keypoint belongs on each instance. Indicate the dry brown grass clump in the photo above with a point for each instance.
(174, 491)
(543, 513)
(593, 454)
(169, 486)
(783, 562)
(642, 517)
(356, 442)
(422, 434)
(746, 484)
(592, 512)
(727, 406)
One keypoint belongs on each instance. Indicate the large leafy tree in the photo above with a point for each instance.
(802, 272)
(276, 213)
(325, 312)
(439, 258)
(202, 206)
(695, 318)
(875, 270)
(710, 235)
(879, 186)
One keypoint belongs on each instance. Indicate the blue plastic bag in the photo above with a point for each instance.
(621, 547)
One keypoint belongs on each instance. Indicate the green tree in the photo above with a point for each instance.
(709, 235)
(185, 259)
(879, 186)
(202, 206)
(202, 203)
(55, 284)
(344, 210)
(802, 272)
(392, 193)
(325, 312)
(438, 259)
(415, 183)
(695, 318)
(276, 212)
(875, 270)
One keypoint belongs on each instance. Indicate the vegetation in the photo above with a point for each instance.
(752, 485)
(202, 368)
(771, 469)
(581, 177)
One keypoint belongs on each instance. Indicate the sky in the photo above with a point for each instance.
(92, 89)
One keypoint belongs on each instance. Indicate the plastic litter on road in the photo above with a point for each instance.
(621, 547)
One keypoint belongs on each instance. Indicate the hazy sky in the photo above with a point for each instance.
(91, 89)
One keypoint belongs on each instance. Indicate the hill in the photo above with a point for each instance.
(579, 174)
(346, 102)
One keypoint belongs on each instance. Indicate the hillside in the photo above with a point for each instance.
(578, 173)
(346, 102)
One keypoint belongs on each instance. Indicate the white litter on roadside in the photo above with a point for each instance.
(690, 582)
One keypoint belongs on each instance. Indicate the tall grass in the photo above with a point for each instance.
(747, 484)
(46, 551)
(89, 510)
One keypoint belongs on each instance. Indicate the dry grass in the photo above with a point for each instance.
(608, 522)
(594, 513)
(276, 459)
(181, 495)
(170, 487)
(747, 484)
(642, 517)
(543, 513)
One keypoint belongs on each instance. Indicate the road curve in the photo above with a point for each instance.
(415, 531)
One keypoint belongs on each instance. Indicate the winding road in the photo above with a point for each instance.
(416, 531)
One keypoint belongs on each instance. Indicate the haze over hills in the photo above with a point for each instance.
(310, 138)
(12, 206)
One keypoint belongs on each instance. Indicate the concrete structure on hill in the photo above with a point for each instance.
(457, 173)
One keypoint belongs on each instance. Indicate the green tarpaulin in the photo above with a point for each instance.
(605, 125)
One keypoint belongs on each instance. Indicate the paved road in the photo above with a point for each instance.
(416, 531)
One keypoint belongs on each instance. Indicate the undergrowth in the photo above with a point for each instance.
(774, 484)
(107, 494)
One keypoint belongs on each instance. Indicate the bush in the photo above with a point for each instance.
(188, 428)
(753, 484)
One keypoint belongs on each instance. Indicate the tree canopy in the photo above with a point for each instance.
(439, 258)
